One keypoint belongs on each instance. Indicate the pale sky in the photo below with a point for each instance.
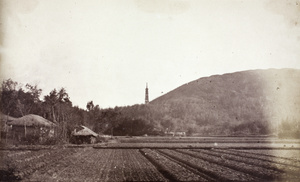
(106, 51)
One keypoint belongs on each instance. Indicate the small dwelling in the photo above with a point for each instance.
(31, 128)
(83, 134)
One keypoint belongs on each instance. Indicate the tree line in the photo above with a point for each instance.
(208, 114)
(18, 100)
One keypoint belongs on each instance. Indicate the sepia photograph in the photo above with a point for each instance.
(150, 90)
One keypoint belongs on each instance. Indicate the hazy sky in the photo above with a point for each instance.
(106, 51)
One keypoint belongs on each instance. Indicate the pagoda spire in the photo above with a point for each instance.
(146, 94)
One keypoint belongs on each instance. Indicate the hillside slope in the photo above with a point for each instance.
(247, 102)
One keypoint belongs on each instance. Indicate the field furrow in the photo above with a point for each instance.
(108, 165)
(289, 157)
(63, 169)
(277, 162)
(241, 164)
(57, 165)
(196, 171)
(150, 173)
(172, 170)
(27, 162)
(158, 159)
(217, 172)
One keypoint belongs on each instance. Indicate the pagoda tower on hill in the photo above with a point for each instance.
(146, 94)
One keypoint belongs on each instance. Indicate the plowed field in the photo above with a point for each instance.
(150, 164)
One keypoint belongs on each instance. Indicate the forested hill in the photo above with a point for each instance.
(258, 102)
(247, 102)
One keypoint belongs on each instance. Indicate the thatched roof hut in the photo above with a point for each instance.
(84, 131)
(31, 120)
(31, 129)
(83, 134)
(4, 119)
(4, 128)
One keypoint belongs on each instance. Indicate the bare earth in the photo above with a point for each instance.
(172, 160)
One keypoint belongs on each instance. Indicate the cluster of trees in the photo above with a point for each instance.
(189, 115)
(18, 100)
(243, 103)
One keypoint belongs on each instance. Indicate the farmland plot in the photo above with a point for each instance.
(175, 171)
(19, 164)
(222, 166)
(151, 162)
(266, 156)
(103, 165)
(293, 154)
(217, 172)
(211, 144)
(265, 169)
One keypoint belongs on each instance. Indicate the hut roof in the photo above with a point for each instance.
(31, 120)
(84, 131)
(4, 118)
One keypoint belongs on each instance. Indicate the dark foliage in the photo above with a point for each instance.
(243, 103)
